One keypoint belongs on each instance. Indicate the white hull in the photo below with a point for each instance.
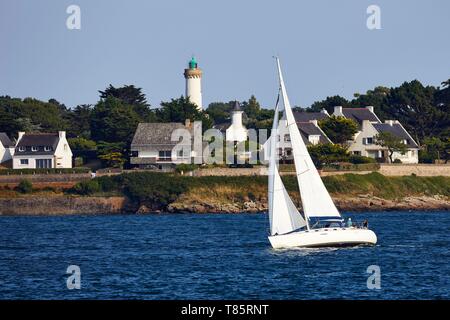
(326, 237)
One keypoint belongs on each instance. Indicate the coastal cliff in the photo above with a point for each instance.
(145, 192)
(68, 205)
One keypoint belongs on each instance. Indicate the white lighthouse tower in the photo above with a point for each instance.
(193, 76)
(236, 131)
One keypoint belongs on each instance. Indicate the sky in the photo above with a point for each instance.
(325, 47)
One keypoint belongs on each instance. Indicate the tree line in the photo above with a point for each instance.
(105, 129)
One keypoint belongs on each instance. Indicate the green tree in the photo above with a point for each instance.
(220, 112)
(436, 149)
(251, 108)
(79, 120)
(132, 96)
(25, 186)
(392, 143)
(112, 154)
(327, 153)
(178, 110)
(328, 104)
(339, 129)
(113, 121)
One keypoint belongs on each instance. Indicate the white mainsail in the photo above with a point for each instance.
(316, 200)
(283, 214)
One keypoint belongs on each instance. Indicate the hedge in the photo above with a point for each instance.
(44, 171)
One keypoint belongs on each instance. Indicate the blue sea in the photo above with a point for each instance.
(217, 256)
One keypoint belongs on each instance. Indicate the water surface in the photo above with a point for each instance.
(217, 257)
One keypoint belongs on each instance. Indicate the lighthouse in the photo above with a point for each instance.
(236, 132)
(193, 76)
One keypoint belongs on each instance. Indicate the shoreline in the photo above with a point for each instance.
(63, 205)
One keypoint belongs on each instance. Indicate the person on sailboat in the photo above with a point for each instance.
(365, 224)
(349, 222)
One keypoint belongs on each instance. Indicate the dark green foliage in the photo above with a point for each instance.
(178, 110)
(113, 121)
(79, 121)
(329, 103)
(86, 187)
(323, 154)
(155, 190)
(131, 96)
(357, 159)
(220, 112)
(339, 129)
(31, 115)
(25, 186)
(392, 143)
(435, 149)
(44, 171)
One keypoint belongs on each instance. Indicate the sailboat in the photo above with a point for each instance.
(320, 223)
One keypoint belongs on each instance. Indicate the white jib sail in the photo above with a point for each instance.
(316, 200)
(283, 215)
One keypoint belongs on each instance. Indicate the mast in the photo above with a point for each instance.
(316, 200)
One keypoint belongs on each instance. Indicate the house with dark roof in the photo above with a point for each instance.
(164, 145)
(6, 148)
(370, 126)
(309, 116)
(357, 114)
(42, 150)
(310, 132)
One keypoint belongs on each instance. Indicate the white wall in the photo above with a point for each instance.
(63, 153)
(236, 131)
(194, 90)
(31, 161)
(5, 153)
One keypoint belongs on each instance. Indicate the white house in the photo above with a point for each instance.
(42, 150)
(369, 124)
(6, 148)
(309, 131)
(152, 145)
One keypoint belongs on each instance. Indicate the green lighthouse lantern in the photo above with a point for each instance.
(193, 63)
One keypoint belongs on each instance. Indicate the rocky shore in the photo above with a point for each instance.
(69, 205)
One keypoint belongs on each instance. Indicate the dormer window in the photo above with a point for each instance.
(34, 149)
(22, 149)
(47, 148)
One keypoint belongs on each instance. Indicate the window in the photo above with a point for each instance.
(357, 153)
(314, 139)
(24, 161)
(288, 152)
(34, 149)
(182, 154)
(165, 155)
(43, 163)
(368, 140)
(47, 148)
(65, 147)
(287, 138)
(22, 149)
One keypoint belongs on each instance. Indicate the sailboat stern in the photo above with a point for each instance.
(324, 237)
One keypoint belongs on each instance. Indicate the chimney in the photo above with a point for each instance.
(314, 122)
(187, 123)
(370, 108)
(62, 134)
(338, 111)
(21, 133)
(324, 111)
(390, 122)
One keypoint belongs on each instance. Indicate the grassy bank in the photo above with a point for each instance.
(157, 190)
